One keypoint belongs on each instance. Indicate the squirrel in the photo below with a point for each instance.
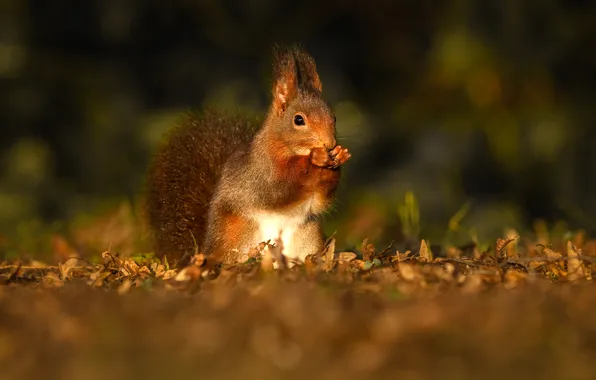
(225, 184)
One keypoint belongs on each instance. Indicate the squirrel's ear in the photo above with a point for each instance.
(285, 85)
(309, 78)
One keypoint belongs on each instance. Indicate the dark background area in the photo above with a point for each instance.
(487, 104)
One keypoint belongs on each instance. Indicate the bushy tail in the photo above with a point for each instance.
(184, 174)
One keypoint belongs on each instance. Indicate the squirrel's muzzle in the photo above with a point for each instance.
(331, 143)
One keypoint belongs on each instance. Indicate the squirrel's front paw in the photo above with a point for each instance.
(320, 157)
(339, 156)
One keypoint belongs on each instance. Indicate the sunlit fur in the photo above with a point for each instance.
(233, 188)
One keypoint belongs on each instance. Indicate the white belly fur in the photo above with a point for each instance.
(280, 228)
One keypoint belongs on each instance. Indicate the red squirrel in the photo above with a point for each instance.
(225, 184)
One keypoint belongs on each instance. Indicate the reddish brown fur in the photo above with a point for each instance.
(217, 163)
(234, 228)
(304, 177)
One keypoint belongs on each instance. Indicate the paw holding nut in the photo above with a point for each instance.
(339, 155)
(320, 157)
(329, 159)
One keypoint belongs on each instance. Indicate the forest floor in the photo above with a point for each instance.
(520, 311)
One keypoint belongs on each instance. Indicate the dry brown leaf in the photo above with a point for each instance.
(368, 250)
(357, 263)
(346, 257)
(329, 256)
(169, 274)
(550, 254)
(144, 271)
(401, 256)
(575, 268)
(108, 258)
(97, 278)
(131, 267)
(158, 269)
(553, 271)
(507, 248)
(425, 252)
(512, 247)
(66, 267)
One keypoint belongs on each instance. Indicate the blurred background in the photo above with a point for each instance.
(464, 118)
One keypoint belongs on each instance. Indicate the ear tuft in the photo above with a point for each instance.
(285, 86)
(294, 70)
(307, 70)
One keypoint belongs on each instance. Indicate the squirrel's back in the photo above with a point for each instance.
(184, 174)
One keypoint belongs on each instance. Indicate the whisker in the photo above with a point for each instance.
(346, 138)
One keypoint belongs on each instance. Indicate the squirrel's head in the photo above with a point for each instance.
(299, 115)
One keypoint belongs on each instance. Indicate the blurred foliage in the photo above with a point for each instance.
(486, 104)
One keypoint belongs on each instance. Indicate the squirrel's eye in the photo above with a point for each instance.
(298, 120)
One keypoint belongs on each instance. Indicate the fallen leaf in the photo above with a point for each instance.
(346, 257)
(368, 250)
(425, 252)
(169, 274)
(66, 267)
(505, 247)
(575, 268)
(329, 255)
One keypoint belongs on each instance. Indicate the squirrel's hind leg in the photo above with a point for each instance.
(230, 237)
